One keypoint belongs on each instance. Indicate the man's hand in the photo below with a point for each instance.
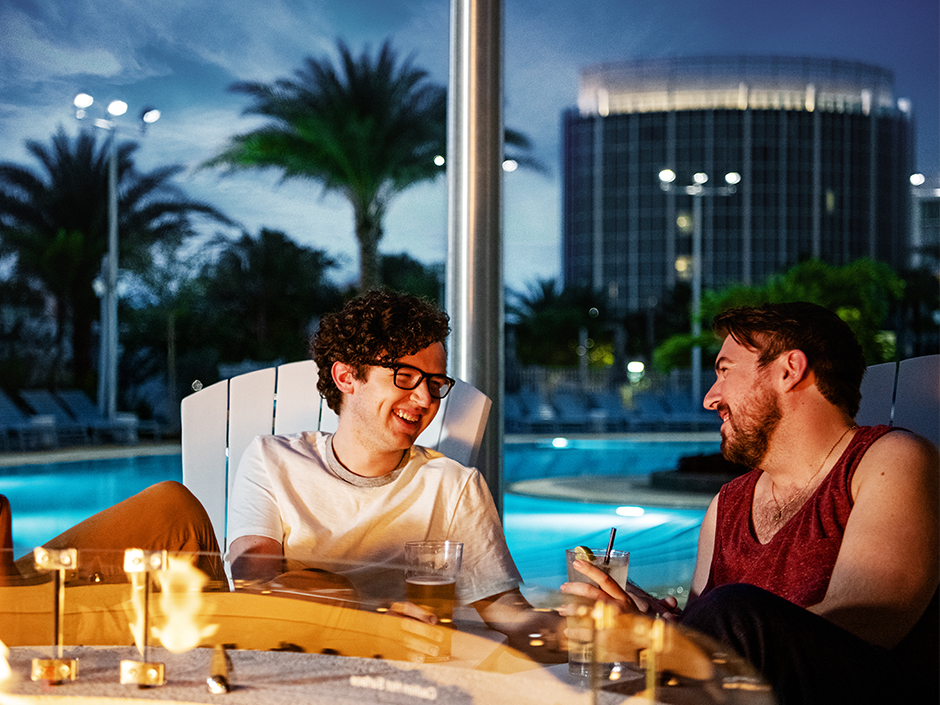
(631, 599)
(412, 611)
(419, 634)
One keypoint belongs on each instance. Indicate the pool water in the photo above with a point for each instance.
(662, 542)
(47, 499)
(561, 457)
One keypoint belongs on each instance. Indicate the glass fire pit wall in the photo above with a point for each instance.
(158, 628)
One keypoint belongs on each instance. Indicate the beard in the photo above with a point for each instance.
(751, 428)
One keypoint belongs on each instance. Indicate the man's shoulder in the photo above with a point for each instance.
(900, 446)
(899, 457)
(306, 444)
(436, 461)
(433, 462)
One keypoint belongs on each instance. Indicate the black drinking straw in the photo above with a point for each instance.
(610, 545)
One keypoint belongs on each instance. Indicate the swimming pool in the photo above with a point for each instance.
(48, 498)
(571, 457)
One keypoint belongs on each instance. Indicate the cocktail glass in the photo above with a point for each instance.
(580, 630)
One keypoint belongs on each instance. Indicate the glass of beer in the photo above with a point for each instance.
(431, 569)
(580, 630)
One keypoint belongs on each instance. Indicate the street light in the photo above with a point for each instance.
(108, 341)
(697, 189)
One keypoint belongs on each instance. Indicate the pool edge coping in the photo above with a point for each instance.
(80, 453)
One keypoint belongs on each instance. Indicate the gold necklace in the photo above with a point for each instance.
(778, 515)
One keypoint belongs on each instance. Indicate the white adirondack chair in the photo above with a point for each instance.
(906, 394)
(219, 422)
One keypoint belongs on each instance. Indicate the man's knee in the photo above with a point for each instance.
(738, 616)
(734, 598)
(172, 500)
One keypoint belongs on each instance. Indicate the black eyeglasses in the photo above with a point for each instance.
(408, 377)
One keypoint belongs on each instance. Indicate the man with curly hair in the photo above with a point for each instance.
(346, 502)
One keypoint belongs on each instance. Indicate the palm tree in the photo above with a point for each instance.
(402, 272)
(55, 222)
(367, 130)
(549, 320)
(274, 288)
(254, 297)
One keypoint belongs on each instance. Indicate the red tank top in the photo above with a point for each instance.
(797, 562)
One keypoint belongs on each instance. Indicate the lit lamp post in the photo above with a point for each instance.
(108, 339)
(697, 189)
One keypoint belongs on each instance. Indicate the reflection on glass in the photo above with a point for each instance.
(316, 628)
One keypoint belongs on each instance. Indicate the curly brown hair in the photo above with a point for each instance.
(378, 325)
(831, 348)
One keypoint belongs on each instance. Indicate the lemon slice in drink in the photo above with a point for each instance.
(584, 553)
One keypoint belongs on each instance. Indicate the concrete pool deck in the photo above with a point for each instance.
(79, 453)
(599, 489)
(596, 489)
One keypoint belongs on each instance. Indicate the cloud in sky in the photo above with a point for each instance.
(36, 55)
(182, 55)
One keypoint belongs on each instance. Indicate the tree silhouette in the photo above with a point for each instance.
(549, 320)
(55, 222)
(367, 129)
(404, 273)
(861, 293)
(261, 294)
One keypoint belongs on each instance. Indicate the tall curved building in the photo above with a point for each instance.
(823, 148)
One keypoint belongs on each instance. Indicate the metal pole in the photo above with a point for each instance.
(111, 293)
(696, 298)
(474, 179)
(103, 337)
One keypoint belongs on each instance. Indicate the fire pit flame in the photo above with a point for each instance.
(181, 601)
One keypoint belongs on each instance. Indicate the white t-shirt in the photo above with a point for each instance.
(291, 489)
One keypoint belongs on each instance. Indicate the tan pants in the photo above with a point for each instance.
(165, 516)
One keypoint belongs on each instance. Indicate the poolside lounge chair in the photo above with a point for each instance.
(877, 394)
(650, 412)
(24, 432)
(220, 421)
(609, 405)
(513, 415)
(683, 415)
(41, 401)
(123, 429)
(540, 415)
(575, 413)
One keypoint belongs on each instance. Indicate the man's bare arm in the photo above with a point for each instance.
(706, 549)
(510, 613)
(889, 563)
(256, 558)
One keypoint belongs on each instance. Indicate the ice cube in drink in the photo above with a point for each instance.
(616, 568)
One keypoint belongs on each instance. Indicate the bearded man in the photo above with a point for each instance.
(821, 565)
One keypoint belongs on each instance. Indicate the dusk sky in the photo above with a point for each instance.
(181, 56)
